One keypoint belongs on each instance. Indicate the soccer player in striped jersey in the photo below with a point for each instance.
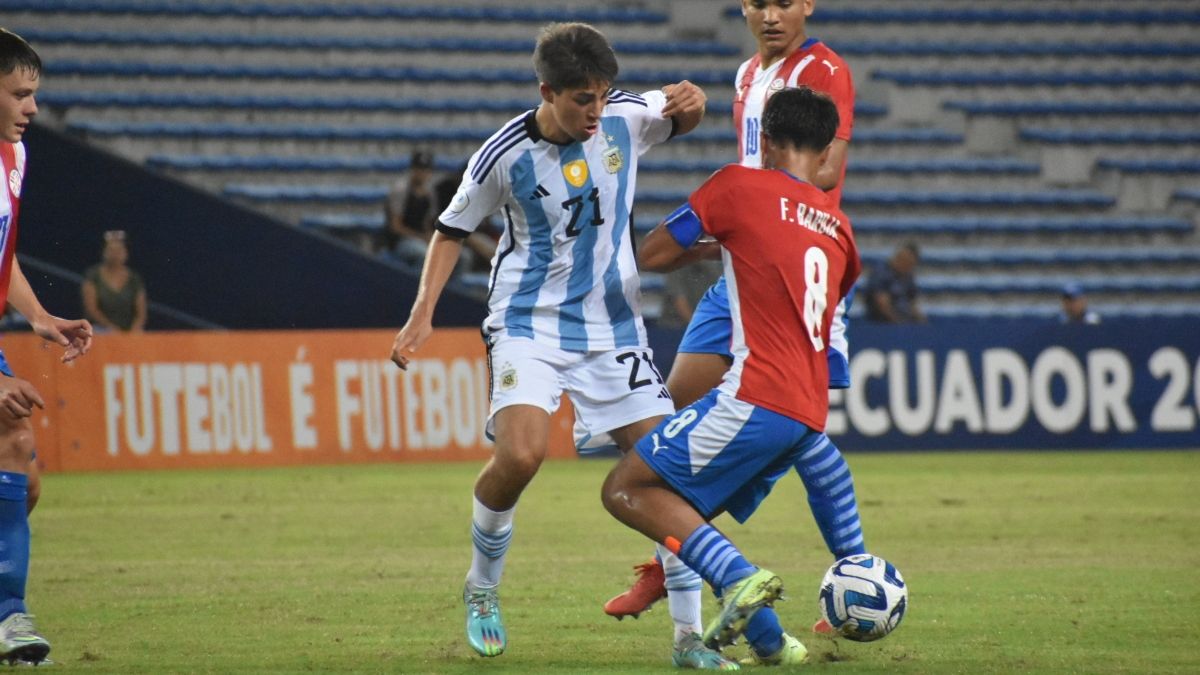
(20, 73)
(790, 258)
(564, 298)
(786, 57)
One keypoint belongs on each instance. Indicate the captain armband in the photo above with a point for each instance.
(684, 226)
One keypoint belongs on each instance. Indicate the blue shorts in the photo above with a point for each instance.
(4, 367)
(723, 454)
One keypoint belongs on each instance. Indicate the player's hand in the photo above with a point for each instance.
(409, 340)
(17, 398)
(74, 335)
(684, 98)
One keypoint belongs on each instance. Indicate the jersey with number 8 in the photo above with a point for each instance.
(790, 257)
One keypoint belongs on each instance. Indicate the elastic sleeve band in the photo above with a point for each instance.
(684, 226)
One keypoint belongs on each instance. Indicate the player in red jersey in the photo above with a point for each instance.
(20, 72)
(786, 57)
(790, 258)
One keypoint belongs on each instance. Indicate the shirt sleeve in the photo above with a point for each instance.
(841, 90)
(712, 198)
(650, 127)
(474, 201)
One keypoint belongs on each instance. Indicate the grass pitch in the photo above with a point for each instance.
(1039, 563)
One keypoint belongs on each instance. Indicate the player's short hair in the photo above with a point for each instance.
(15, 53)
(802, 117)
(573, 56)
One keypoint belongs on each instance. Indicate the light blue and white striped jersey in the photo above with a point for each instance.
(564, 273)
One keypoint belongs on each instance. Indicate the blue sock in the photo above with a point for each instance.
(14, 539)
(764, 632)
(714, 557)
(830, 489)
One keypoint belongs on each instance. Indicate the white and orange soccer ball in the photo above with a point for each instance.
(863, 597)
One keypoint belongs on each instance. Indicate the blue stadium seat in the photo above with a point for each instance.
(1030, 78)
(951, 48)
(1049, 198)
(1051, 312)
(391, 43)
(1052, 255)
(344, 194)
(880, 15)
(1139, 136)
(1032, 225)
(1030, 108)
(356, 73)
(277, 10)
(1168, 166)
(344, 222)
(1187, 195)
(1009, 283)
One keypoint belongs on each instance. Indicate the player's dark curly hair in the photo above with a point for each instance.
(15, 53)
(573, 56)
(802, 117)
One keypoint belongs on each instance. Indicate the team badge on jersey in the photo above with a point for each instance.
(613, 160)
(508, 377)
(14, 182)
(576, 172)
(460, 201)
(776, 85)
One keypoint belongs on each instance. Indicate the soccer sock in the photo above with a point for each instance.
(491, 533)
(14, 543)
(764, 632)
(683, 594)
(718, 561)
(830, 488)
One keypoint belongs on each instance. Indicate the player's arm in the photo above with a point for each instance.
(75, 335)
(685, 105)
(676, 242)
(830, 172)
(440, 259)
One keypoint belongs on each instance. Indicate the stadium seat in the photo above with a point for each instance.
(1052, 285)
(1097, 225)
(941, 15)
(1028, 78)
(1082, 108)
(1139, 136)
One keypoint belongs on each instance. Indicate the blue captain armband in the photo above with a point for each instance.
(684, 226)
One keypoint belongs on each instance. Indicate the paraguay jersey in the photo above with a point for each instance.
(789, 257)
(813, 65)
(564, 272)
(12, 159)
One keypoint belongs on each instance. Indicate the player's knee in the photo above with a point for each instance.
(615, 493)
(521, 462)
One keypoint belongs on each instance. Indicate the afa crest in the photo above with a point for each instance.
(576, 172)
(14, 182)
(613, 160)
(508, 377)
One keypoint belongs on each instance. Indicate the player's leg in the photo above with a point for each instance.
(19, 640)
(700, 362)
(525, 388)
(830, 487)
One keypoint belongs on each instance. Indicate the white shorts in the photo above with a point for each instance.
(609, 389)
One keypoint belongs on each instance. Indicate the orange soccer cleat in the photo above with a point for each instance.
(649, 588)
(822, 627)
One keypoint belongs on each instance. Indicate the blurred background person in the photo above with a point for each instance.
(114, 296)
(409, 211)
(1075, 306)
(684, 288)
(892, 289)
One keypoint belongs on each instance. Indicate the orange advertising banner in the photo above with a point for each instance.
(261, 398)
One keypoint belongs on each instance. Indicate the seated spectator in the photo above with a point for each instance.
(1075, 306)
(410, 211)
(114, 297)
(891, 291)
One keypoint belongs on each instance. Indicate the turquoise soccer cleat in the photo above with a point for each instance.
(485, 626)
(691, 653)
(20, 641)
(741, 600)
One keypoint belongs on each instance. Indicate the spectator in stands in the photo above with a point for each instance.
(114, 297)
(892, 289)
(409, 211)
(1075, 306)
(684, 288)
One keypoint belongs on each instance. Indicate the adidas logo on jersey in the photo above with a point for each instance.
(539, 193)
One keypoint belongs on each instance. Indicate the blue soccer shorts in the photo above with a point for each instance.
(723, 454)
(5, 369)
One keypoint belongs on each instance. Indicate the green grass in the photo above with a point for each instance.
(1040, 563)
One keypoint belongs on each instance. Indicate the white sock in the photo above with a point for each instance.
(491, 533)
(683, 594)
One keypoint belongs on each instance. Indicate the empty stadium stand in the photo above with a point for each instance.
(1022, 143)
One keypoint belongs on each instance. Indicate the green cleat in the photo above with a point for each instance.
(691, 653)
(792, 653)
(741, 600)
(20, 641)
(485, 627)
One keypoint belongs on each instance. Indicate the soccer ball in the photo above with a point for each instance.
(863, 597)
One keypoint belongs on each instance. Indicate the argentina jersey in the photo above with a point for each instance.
(564, 272)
